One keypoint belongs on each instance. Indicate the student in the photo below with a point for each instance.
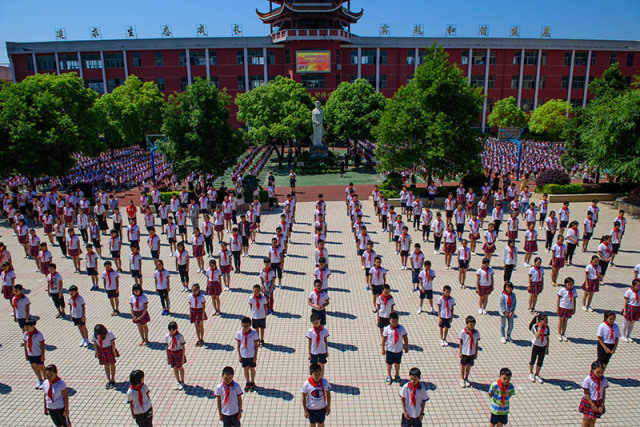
(573, 236)
(417, 260)
(425, 218)
(544, 207)
(214, 288)
(512, 226)
(386, 306)
(207, 232)
(139, 400)
(426, 277)
(394, 339)
(566, 307)
(384, 213)
(589, 225)
(318, 337)
(133, 234)
(8, 279)
(450, 237)
(510, 259)
(171, 231)
(78, 313)
(34, 349)
(197, 312)
(176, 354)
(594, 387)
(135, 265)
(377, 278)
(224, 260)
(446, 304)
(111, 282)
(140, 312)
(115, 246)
(246, 232)
(316, 397)
(405, 246)
(413, 396)
(559, 253)
(182, 265)
(541, 331)
(154, 244)
(497, 215)
(259, 305)
(563, 215)
(267, 278)
(468, 349)
(608, 334)
(21, 306)
(482, 210)
(235, 244)
(631, 310)
(397, 228)
(489, 246)
(55, 289)
(322, 252)
(616, 239)
(500, 393)
(474, 232)
(605, 253)
(104, 344)
(508, 303)
(73, 243)
(319, 300)
(438, 229)
(530, 243)
(550, 225)
(56, 397)
(248, 339)
(591, 285)
(91, 260)
(229, 398)
(484, 285)
(449, 206)
(323, 273)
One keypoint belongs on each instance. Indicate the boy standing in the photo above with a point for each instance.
(111, 280)
(385, 305)
(500, 393)
(316, 397)
(259, 305)
(468, 350)
(139, 400)
(426, 277)
(248, 352)
(319, 300)
(229, 396)
(377, 278)
(392, 346)
(34, 350)
(21, 306)
(55, 290)
(413, 396)
(91, 259)
(318, 337)
(79, 314)
(446, 304)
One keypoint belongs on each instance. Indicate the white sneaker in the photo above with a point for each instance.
(625, 339)
(226, 288)
(363, 267)
(419, 310)
(445, 343)
(463, 384)
(484, 311)
(435, 252)
(526, 265)
(479, 311)
(279, 285)
(584, 308)
(539, 379)
(560, 338)
(180, 387)
(467, 383)
(629, 340)
(40, 385)
(433, 310)
(590, 309)
(532, 378)
(81, 344)
(86, 343)
(442, 343)
(564, 338)
(503, 340)
(177, 386)
(473, 253)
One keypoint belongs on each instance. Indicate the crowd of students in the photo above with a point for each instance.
(536, 156)
(222, 232)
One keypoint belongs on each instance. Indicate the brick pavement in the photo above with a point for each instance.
(356, 367)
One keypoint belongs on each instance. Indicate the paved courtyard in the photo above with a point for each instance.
(355, 369)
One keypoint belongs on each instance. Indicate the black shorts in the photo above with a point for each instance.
(319, 358)
(563, 224)
(383, 322)
(155, 254)
(615, 247)
(360, 252)
(21, 323)
(467, 360)
(136, 274)
(96, 243)
(92, 271)
(58, 418)
(259, 323)
(113, 294)
(35, 360)
(393, 358)
(172, 239)
(182, 229)
(376, 289)
(404, 253)
(247, 362)
(449, 214)
(587, 236)
(230, 421)
(428, 294)
(499, 419)
(463, 263)
(77, 321)
(317, 416)
(245, 241)
(58, 300)
(445, 323)
(115, 254)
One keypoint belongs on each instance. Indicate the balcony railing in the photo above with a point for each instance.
(329, 34)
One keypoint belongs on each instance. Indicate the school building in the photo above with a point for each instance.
(312, 42)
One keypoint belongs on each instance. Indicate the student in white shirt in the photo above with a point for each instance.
(464, 256)
(484, 285)
(316, 396)
(229, 397)
(56, 397)
(592, 278)
(259, 305)
(247, 347)
(540, 329)
(139, 400)
(566, 307)
(140, 313)
(446, 305)
(572, 240)
(318, 344)
(608, 335)
(468, 349)
(510, 259)
(631, 310)
(594, 387)
(394, 340)
(413, 396)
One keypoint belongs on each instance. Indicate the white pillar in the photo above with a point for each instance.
(469, 66)
(535, 96)
(573, 57)
(246, 70)
(586, 81)
(35, 63)
(377, 69)
(104, 73)
(208, 66)
(486, 90)
(126, 66)
(188, 59)
(57, 63)
(521, 76)
(416, 59)
(359, 62)
(264, 59)
(80, 65)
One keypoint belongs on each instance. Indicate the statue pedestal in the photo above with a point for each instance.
(318, 152)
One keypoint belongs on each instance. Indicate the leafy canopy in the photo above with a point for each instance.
(506, 113)
(550, 119)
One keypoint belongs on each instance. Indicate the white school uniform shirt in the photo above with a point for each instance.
(21, 306)
(592, 272)
(110, 279)
(397, 228)
(377, 276)
(181, 217)
(637, 270)
(258, 306)
(543, 341)
(316, 396)
(133, 232)
(384, 310)
(450, 236)
(174, 345)
(633, 297)
(384, 209)
(623, 223)
(595, 392)
(605, 249)
(213, 276)
(370, 257)
(426, 217)
(171, 230)
(36, 343)
(155, 195)
(106, 341)
(248, 347)
(464, 253)
(572, 235)
(544, 206)
(54, 283)
(182, 257)
(563, 214)
(417, 207)
(154, 242)
(588, 225)
(498, 197)
(389, 335)
(363, 240)
(616, 236)
(275, 255)
(162, 279)
(405, 242)
(132, 396)
(138, 302)
(136, 260)
(164, 211)
(445, 307)
(474, 226)
(490, 236)
(524, 196)
(512, 223)
(426, 278)
(595, 211)
(197, 240)
(7, 278)
(567, 297)
(459, 215)
(76, 307)
(531, 235)
(465, 342)
(497, 214)
(45, 256)
(531, 215)
(207, 228)
(510, 257)
(437, 226)
(323, 275)
(267, 276)
(149, 220)
(559, 251)
(197, 302)
(609, 334)
(73, 242)
(417, 259)
(414, 411)
(403, 196)
(320, 347)
(324, 253)
(537, 274)
(82, 221)
(485, 276)
(57, 400)
(233, 390)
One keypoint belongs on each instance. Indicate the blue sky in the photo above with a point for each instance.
(35, 20)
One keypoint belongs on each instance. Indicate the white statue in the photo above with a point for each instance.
(317, 117)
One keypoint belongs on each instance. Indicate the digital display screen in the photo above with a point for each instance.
(313, 62)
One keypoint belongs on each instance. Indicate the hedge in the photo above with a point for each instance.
(561, 189)
(248, 196)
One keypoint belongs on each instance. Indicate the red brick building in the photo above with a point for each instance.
(312, 42)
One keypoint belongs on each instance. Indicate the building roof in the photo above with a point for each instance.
(312, 8)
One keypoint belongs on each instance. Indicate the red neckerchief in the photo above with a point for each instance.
(257, 298)
(511, 250)
(378, 272)
(29, 338)
(245, 335)
(598, 382)
(404, 237)
(470, 339)
(206, 227)
(385, 299)
(538, 326)
(317, 331)
(503, 389)
(73, 300)
(413, 389)
(235, 238)
(226, 392)
(318, 293)
(321, 274)
(138, 388)
(508, 300)
(610, 330)
(51, 383)
(137, 302)
(174, 343)
(617, 234)
(320, 385)
(15, 300)
(464, 253)
(369, 256)
(637, 295)
(446, 304)
(396, 335)
(108, 271)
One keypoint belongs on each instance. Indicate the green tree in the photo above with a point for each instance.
(429, 123)
(44, 119)
(353, 110)
(506, 113)
(610, 84)
(550, 119)
(200, 138)
(276, 113)
(130, 112)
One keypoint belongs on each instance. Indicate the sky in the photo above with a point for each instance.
(36, 20)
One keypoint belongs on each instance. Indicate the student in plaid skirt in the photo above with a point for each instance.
(592, 403)
(566, 306)
(140, 313)
(591, 285)
(104, 343)
(197, 312)
(631, 310)
(176, 356)
(559, 253)
(536, 283)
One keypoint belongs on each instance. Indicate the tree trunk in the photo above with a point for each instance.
(279, 154)
(597, 174)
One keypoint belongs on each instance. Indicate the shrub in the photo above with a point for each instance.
(552, 176)
(562, 189)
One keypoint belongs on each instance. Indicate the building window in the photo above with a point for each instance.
(464, 59)
(383, 81)
(30, 63)
(354, 57)
(526, 104)
(91, 60)
(255, 57)
(477, 80)
(594, 58)
(240, 57)
(409, 78)
(271, 57)
(158, 59)
(46, 62)
(213, 57)
(160, 83)
(287, 57)
(114, 83)
(528, 82)
(114, 60)
(479, 57)
(383, 57)
(137, 59)
(514, 82)
(338, 56)
(630, 59)
(182, 58)
(255, 81)
(531, 57)
(489, 105)
(578, 82)
(214, 81)
(196, 57)
(411, 57)
(516, 58)
(95, 84)
(368, 57)
(241, 83)
(492, 57)
(542, 82)
(184, 83)
(627, 81)
(543, 61)
(613, 59)
(314, 81)
(565, 82)
(69, 62)
(567, 58)
(581, 58)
